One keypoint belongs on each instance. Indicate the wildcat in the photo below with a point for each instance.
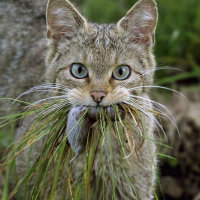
(104, 65)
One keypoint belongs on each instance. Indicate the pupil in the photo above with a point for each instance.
(79, 69)
(121, 71)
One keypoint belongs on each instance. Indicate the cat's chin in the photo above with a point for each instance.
(94, 113)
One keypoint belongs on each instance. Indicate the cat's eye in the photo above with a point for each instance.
(79, 71)
(122, 72)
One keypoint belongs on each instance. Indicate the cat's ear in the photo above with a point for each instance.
(140, 21)
(63, 20)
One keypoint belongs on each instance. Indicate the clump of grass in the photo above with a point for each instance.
(52, 172)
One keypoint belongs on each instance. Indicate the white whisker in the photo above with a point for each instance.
(148, 72)
(159, 105)
(159, 87)
(168, 116)
(49, 98)
(55, 107)
(154, 102)
(150, 116)
(51, 88)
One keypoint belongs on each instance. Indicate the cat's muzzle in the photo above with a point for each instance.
(78, 126)
(94, 113)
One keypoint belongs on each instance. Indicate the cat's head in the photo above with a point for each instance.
(101, 64)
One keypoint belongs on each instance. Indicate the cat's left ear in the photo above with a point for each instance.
(140, 21)
(63, 20)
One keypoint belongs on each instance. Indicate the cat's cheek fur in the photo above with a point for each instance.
(80, 97)
(77, 97)
(118, 95)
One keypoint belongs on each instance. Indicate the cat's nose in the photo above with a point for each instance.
(98, 95)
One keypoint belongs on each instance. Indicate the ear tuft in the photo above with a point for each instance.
(140, 21)
(63, 20)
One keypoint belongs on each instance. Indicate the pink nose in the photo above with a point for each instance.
(98, 95)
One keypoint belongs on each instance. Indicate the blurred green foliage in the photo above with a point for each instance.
(5, 139)
(177, 37)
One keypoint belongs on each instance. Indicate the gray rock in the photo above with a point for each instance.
(22, 47)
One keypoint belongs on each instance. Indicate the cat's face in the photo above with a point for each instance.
(101, 64)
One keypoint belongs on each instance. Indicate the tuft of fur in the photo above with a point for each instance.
(101, 48)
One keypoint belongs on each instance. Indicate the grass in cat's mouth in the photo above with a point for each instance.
(48, 124)
(94, 112)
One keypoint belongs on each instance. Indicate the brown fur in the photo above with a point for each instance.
(101, 48)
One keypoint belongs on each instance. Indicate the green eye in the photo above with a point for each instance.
(79, 71)
(122, 72)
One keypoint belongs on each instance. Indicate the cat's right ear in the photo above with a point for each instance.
(63, 20)
(140, 21)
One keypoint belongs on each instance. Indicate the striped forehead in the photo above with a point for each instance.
(102, 51)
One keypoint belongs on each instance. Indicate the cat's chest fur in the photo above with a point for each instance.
(118, 171)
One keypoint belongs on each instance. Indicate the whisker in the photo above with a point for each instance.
(154, 102)
(160, 112)
(159, 87)
(57, 107)
(54, 85)
(147, 72)
(149, 115)
(44, 88)
(49, 98)
(169, 117)
(169, 114)
(134, 105)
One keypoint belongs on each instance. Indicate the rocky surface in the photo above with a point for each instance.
(22, 46)
(181, 180)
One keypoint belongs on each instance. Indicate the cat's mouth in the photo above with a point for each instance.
(78, 127)
(94, 113)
